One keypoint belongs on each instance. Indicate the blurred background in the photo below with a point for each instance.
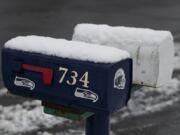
(149, 112)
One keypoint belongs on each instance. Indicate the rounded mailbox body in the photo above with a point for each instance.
(80, 84)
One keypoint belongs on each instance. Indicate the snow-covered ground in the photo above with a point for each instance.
(149, 100)
(28, 117)
(24, 117)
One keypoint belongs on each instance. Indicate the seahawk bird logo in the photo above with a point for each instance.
(86, 94)
(24, 82)
(119, 79)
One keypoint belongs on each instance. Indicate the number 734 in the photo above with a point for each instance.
(74, 77)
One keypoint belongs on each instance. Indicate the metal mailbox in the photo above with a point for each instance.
(93, 87)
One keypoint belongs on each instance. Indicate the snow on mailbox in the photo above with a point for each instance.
(69, 73)
(152, 51)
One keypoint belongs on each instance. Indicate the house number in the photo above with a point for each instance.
(73, 78)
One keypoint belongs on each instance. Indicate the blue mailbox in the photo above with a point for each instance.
(99, 88)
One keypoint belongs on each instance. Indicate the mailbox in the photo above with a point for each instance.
(152, 51)
(73, 83)
(70, 82)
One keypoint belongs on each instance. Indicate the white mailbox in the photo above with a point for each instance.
(152, 51)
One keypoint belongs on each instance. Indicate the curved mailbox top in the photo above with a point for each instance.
(67, 49)
(73, 83)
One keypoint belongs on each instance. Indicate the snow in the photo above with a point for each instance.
(152, 51)
(24, 117)
(118, 34)
(148, 100)
(67, 49)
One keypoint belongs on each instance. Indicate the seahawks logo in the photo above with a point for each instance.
(24, 82)
(119, 79)
(86, 94)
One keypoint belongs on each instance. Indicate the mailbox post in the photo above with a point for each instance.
(98, 124)
(70, 88)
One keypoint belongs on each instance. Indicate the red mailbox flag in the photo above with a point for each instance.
(46, 72)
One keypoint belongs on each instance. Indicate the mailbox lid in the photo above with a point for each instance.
(60, 91)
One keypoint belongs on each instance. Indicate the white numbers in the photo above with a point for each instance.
(65, 70)
(74, 77)
(84, 80)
